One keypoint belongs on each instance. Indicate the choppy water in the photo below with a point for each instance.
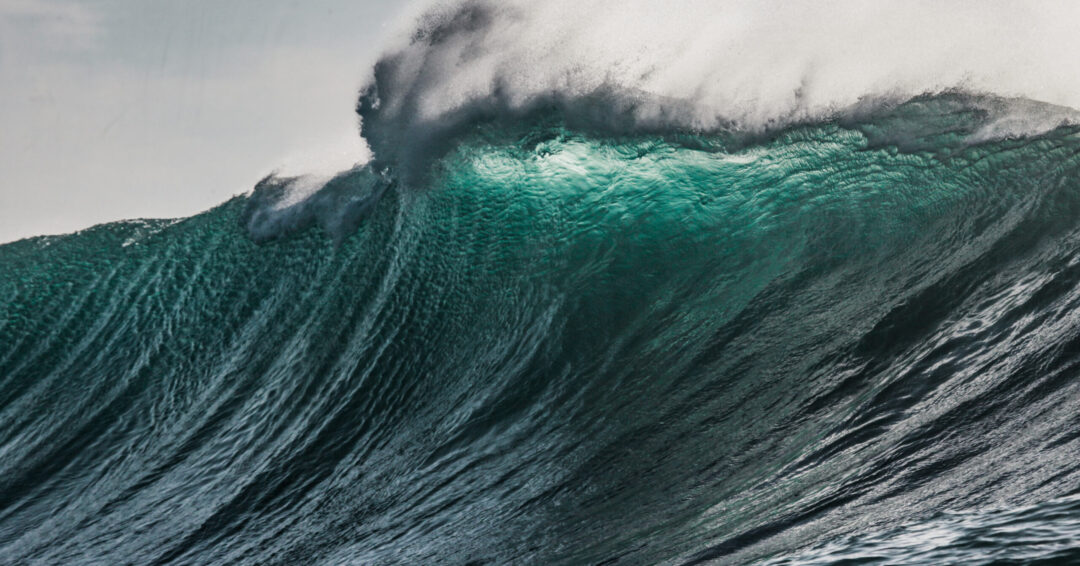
(847, 340)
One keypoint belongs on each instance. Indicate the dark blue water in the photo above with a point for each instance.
(848, 341)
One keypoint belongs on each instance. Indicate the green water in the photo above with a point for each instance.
(557, 347)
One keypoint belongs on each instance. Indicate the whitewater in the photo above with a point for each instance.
(613, 283)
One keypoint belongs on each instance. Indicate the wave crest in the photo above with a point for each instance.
(735, 66)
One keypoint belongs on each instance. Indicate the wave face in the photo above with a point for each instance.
(568, 347)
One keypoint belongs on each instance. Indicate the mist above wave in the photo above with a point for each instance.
(899, 72)
(705, 66)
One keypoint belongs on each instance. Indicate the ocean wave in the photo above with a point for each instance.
(610, 297)
(563, 347)
(706, 67)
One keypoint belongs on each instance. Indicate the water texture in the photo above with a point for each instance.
(852, 339)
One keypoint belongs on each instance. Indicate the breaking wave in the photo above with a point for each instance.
(584, 324)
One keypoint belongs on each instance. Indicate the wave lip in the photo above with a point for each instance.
(476, 61)
(409, 148)
(284, 205)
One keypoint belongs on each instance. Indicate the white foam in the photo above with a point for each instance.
(311, 168)
(704, 64)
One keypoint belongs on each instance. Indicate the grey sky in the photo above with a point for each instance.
(114, 109)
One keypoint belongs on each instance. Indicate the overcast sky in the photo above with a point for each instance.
(115, 109)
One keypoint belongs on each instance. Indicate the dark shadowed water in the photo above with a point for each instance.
(852, 341)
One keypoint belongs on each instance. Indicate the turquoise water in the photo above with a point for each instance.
(555, 344)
